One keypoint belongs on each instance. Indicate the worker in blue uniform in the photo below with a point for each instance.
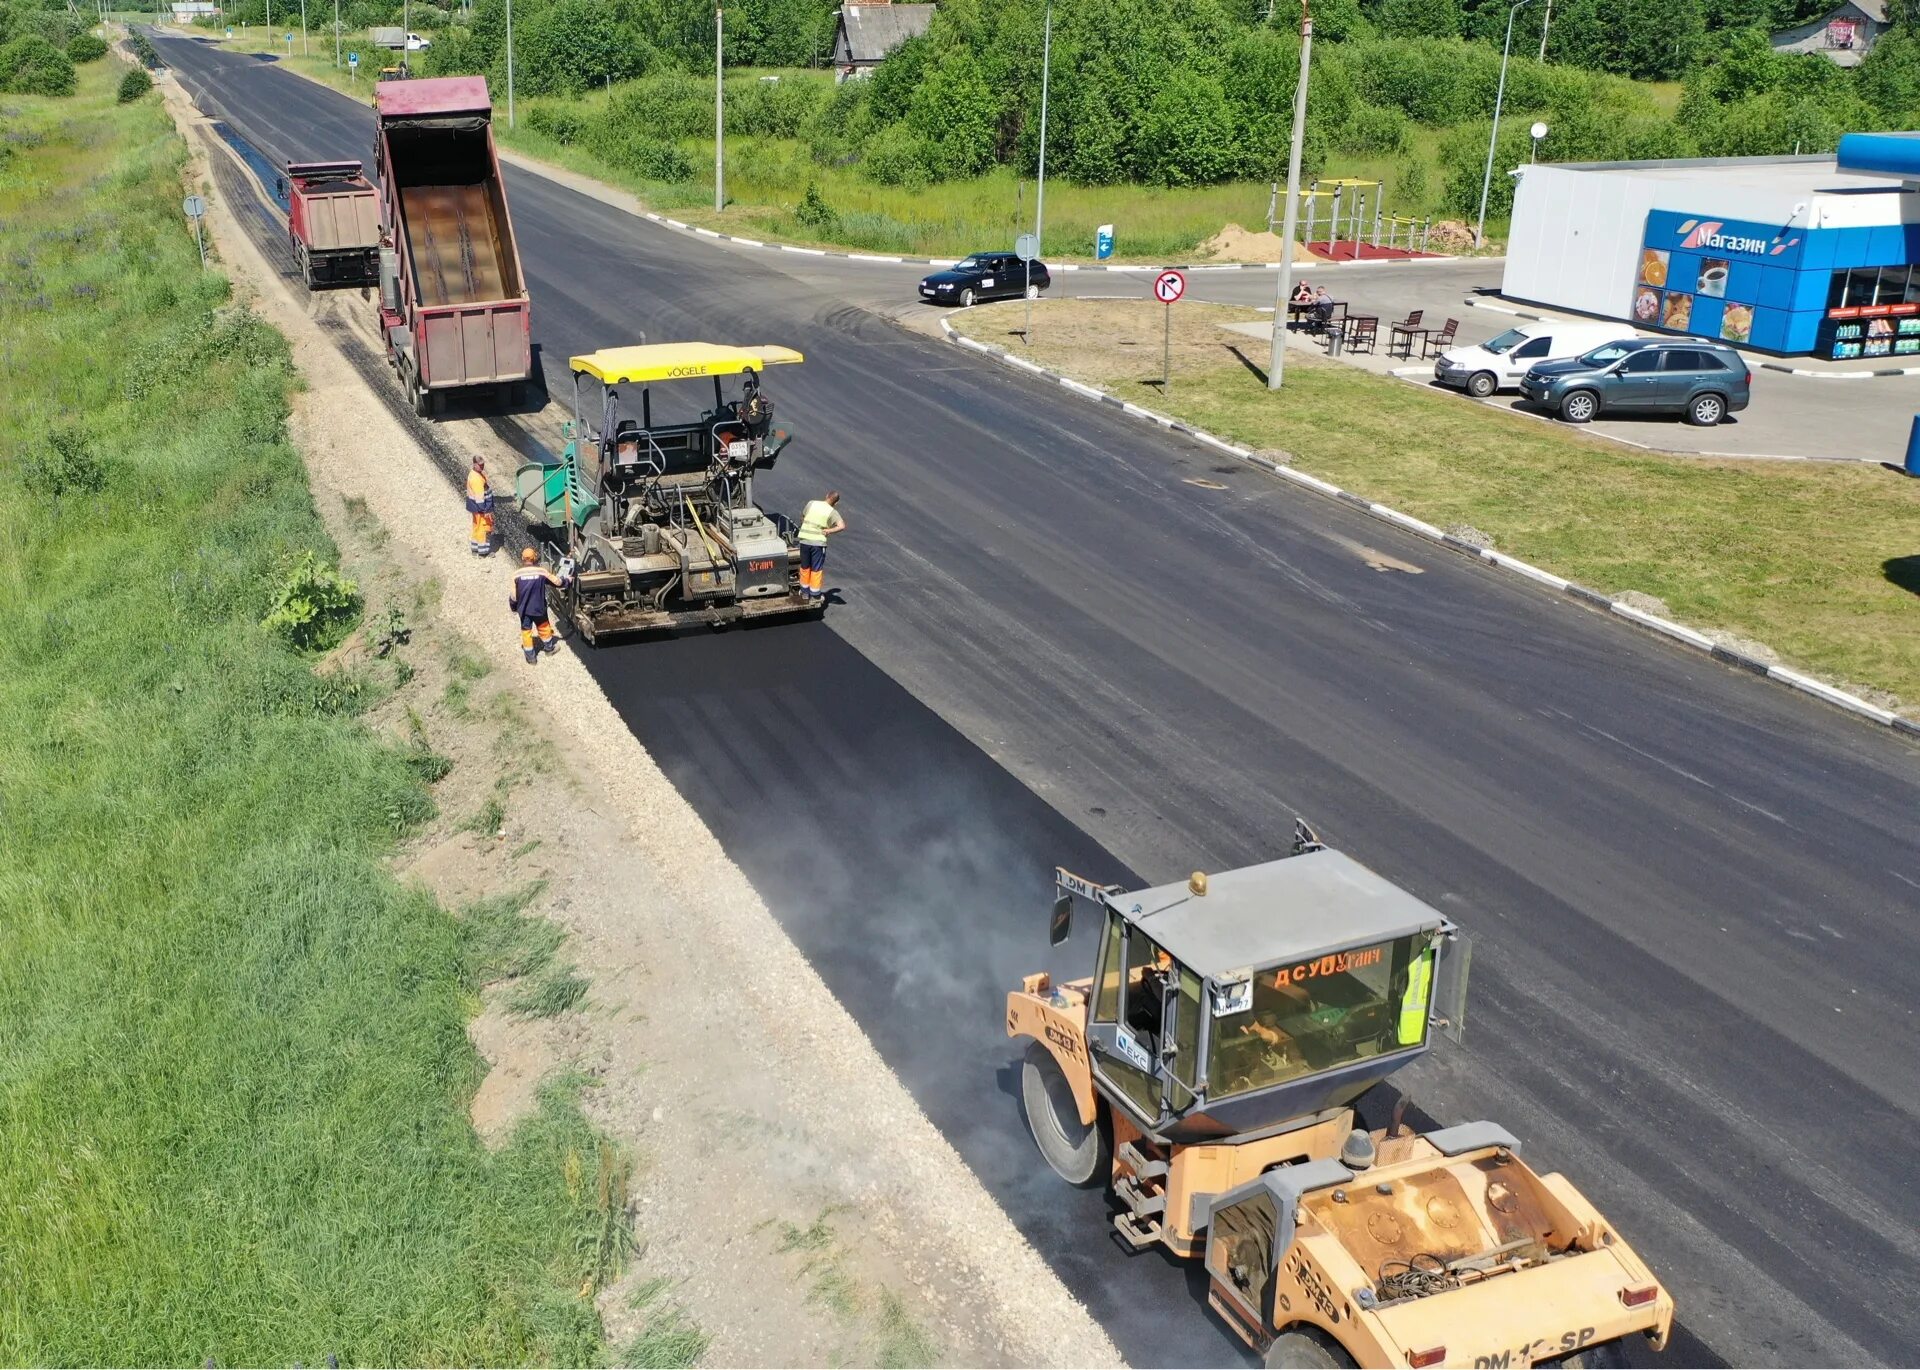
(529, 600)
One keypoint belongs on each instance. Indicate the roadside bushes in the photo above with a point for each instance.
(134, 84)
(84, 47)
(30, 65)
(558, 122)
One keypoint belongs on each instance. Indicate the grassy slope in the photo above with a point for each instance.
(1796, 556)
(232, 1099)
(766, 178)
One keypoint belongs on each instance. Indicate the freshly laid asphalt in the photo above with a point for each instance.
(1693, 893)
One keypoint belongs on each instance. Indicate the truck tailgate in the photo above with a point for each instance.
(344, 220)
(474, 344)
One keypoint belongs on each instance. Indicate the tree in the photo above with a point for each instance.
(956, 113)
(30, 65)
(1187, 137)
(1420, 18)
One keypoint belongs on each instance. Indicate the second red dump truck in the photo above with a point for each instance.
(453, 302)
(333, 219)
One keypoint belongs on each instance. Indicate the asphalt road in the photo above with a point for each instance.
(1693, 893)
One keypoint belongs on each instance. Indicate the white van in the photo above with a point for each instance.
(1500, 363)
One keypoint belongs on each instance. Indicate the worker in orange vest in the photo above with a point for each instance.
(529, 600)
(480, 505)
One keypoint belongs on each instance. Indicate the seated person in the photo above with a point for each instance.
(1323, 307)
(1303, 295)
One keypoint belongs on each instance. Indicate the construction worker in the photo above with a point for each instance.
(480, 505)
(818, 522)
(529, 600)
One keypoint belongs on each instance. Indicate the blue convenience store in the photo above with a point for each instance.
(1797, 256)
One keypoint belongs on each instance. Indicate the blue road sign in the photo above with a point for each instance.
(353, 59)
(1103, 242)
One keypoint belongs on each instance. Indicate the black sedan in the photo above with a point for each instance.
(986, 276)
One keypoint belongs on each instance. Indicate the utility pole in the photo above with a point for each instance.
(719, 113)
(305, 51)
(1040, 184)
(336, 32)
(1277, 358)
(509, 63)
(1545, 24)
(1499, 95)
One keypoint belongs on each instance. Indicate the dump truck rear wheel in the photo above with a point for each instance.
(1306, 1349)
(1608, 1355)
(1079, 1153)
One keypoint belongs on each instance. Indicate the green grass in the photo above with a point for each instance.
(1814, 560)
(234, 1084)
(766, 179)
(669, 1340)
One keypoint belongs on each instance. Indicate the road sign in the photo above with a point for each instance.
(194, 208)
(1103, 242)
(1169, 286)
(353, 59)
(1026, 247)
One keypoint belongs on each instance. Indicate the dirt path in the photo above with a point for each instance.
(789, 1194)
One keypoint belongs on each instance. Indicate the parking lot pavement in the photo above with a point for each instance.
(1791, 416)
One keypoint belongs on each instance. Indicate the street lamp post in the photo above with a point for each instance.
(1040, 187)
(336, 32)
(1290, 222)
(1499, 94)
(509, 63)
(719, 113)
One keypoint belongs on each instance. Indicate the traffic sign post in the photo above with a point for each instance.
(1026, 247)
(1103, 242)
(195, 209)
(353, 67)
(1168, 286)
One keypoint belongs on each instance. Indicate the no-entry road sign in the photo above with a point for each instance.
(1169, 286)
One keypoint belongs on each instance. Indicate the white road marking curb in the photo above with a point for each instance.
(1674, 632)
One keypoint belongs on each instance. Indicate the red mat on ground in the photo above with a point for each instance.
(1348, 251)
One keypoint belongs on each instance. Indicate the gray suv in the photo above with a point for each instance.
(1700, 381)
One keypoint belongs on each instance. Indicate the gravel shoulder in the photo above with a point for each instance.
(798, 1205)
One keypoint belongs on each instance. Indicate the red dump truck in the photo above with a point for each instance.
(453, 301)
(333, 218)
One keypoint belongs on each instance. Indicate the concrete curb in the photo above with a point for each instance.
(1781, 367)
(1675, 632)
(890, 260)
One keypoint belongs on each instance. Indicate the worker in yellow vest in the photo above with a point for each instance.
(818, 522)
(1415, 999)
(480, 505)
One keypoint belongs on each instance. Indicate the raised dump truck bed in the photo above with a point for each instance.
(333, 220)
(453, 300)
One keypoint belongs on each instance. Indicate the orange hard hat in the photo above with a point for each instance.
(528, 556)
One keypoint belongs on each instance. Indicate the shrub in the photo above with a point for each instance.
(1372, 129)
(30, 65)
(315, 605)
(897, 156)
(86, 48)
(67, 466)
(655, 161)
(143, 49)
(814, 212)
(558, 122)
(134, 84)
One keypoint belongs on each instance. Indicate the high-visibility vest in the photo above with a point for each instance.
(1413, 1003)
(814, 522)
(479, 494)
